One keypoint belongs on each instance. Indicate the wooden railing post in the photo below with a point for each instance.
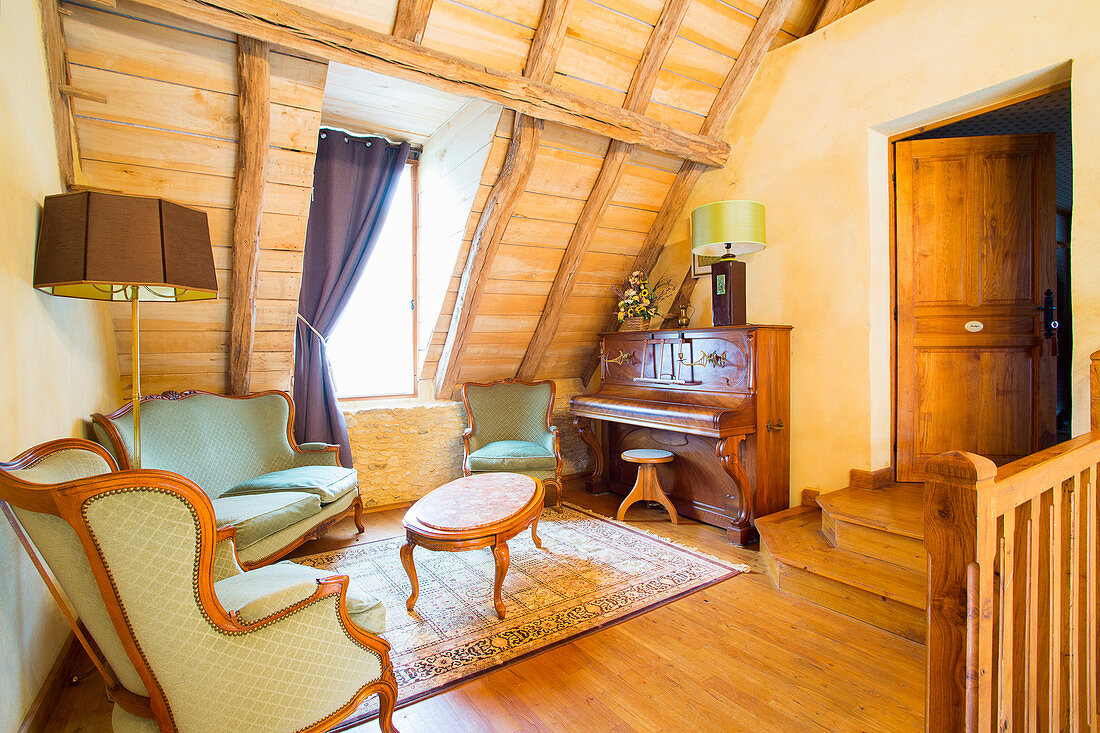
(952, 485)
(1094, 390)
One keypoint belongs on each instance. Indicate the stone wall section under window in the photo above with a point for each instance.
(403, 451)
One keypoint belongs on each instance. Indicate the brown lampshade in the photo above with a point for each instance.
(99, 245)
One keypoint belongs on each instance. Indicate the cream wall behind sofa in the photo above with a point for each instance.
(57, 362)
(809, 140)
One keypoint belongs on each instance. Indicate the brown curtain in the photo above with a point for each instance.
(354, 180)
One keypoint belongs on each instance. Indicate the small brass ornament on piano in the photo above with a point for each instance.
(713, 359)
(622, 358)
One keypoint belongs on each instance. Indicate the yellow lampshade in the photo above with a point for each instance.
(727, 228)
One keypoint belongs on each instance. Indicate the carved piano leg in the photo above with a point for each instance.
(741, 531)
(597, 482)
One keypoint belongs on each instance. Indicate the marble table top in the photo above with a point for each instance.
(470, 502)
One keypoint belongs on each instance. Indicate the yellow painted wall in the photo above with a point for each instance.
(57, 363)
(809, 140)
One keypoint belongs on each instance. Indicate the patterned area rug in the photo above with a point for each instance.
(591, 572)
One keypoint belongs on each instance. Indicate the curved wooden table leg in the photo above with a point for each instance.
(534, 533)
(410, 570)
(500, 557)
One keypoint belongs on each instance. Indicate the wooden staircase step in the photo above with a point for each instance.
(876, 543)
(803, 562)
(897, 509)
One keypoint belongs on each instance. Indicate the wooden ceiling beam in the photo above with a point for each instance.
(254, 106)
(607, 182)
(412, 19)
(832, 10)
(53, 39)
(510, 185)
(323, 36)
(721, 110)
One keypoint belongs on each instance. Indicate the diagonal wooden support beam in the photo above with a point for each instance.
(321, 35)
(721, 110)
(53, 39)
(253, 103)
(542, 57)
(412, 19)
(611, 172)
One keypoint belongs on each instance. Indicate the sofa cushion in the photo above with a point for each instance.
(512, 455)
(264, 591)
(327, 483)
(258, 515)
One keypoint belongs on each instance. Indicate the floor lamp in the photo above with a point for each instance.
(106, 246)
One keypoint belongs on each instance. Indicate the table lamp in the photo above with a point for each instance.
(725, 229)
(105, 246)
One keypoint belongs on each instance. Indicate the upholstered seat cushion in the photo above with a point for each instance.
(512, 455)
(327, 483)
(257, 516)
(259, 593)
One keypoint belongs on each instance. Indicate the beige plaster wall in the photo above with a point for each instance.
(809, 140)
(57, 364)
(404, 449)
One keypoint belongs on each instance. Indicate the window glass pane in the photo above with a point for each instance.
(371, 347)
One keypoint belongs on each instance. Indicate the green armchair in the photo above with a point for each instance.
(241, 453)
(510, 430)
(185, 639)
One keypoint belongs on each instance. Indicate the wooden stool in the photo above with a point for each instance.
(647, 487)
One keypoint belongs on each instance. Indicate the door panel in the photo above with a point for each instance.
(975, 250)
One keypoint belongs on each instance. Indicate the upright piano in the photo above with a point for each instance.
(718, 398)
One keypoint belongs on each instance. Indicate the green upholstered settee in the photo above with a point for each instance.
(510, 430)
(184, 638)
(241, 452)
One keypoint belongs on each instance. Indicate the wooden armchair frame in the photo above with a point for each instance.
(66, 500)
(550, 428)
(355, 508)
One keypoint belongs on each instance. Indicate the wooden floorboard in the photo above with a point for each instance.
(737, 656)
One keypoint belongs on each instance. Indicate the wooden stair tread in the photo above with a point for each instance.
(898, 508)
(793, 537)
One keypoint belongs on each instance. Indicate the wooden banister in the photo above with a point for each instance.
(1013, 630)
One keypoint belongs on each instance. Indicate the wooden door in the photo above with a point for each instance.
(975, 253)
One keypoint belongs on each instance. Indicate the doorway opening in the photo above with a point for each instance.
(973, 253)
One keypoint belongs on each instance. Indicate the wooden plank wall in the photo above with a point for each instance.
(600, 52)
(169, 128)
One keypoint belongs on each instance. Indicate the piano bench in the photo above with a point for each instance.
(647, 487)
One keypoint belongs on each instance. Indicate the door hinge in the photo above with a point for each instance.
(895, 313)
(894, 177)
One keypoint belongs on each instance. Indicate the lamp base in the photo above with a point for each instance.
(727, 292)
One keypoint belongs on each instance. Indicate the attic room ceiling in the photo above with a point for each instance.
(629, 97)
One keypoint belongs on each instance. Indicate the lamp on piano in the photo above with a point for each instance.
(725, 229)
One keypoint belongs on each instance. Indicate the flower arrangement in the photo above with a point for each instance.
(639, 299)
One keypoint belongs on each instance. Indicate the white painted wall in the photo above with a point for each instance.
(58, 358)
(809, 140)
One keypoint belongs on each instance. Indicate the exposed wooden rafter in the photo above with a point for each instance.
(323, 36)
(611, 172)
(412, 19)
(721, 110)
(254, 104)
(831, 10)
(54, 41)
(509, 187)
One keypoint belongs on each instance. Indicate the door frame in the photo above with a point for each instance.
(891, 180)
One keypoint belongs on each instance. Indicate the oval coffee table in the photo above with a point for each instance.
(482, 510)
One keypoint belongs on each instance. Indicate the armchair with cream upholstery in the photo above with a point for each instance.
(185, 639)
(510, 430)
